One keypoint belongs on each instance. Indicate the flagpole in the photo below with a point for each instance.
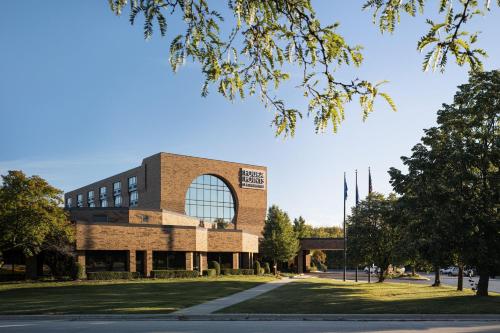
(345, 233)
(357, 196)
(369, 208)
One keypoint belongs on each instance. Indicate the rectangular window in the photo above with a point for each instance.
(134, 198)
(79, 200)
(117, 188)
(103, 192)
(90, 199)
(132, 184)
(104, 202)
(118, 201)
(69, 202)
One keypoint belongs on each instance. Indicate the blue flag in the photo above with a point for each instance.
(345, 188)
(357, 191)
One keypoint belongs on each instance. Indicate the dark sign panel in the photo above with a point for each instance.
(250, 178)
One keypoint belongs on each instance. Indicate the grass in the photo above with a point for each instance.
(118, 297)
(328, 296)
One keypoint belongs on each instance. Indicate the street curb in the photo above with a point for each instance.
(258, 317)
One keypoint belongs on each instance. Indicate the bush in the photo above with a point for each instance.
(211, 272)
(112, 275)
(171, 274)
(237, 271)
(267, 269)
(78, 272)
(215, 265)
(262, 271)
(256, 267)
(323, 267)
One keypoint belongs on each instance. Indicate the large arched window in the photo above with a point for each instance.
(209, 198)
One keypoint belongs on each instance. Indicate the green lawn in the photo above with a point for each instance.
(136, 296)
(329, 296)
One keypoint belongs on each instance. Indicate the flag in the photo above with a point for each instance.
(345, 188)
(357, 191)
(370, 188)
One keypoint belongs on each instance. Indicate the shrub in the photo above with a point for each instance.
(215, 265)
(237, 271)
(112, 275)
(262, 271)
(78, 272)
(256, 267)
(267, 269)
(171, 274)
(211, 272)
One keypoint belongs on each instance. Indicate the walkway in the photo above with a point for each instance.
(224, 302)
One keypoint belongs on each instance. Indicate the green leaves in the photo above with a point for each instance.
(265, 40)
(443, 38)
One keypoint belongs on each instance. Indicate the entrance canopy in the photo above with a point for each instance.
(321, 244)
(308, 244)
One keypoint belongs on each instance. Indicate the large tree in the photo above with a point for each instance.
(373, 230)
(453, 180)
(251, 53)
(32, 217)
(280, 242)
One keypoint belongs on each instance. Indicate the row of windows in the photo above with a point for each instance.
(103, 196)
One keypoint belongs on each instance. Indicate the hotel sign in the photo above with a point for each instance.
(250, 178)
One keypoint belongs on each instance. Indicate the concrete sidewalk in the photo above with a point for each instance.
(224, 302)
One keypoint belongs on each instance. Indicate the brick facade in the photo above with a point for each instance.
(159, 221)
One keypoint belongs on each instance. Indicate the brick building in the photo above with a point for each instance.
(171, 212)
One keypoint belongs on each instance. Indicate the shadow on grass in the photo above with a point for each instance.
(306, 297)
(114, 297)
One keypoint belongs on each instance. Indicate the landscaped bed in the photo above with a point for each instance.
(329, 296)
(119, 296)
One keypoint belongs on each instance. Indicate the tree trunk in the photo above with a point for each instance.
(275, 268)
(437, 278)
(482, 286)
(460, 283)
(413, 270)
(381, 275)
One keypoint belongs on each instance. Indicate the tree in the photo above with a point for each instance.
(265, 36)
(31, 215)
(453, 180)
(373, 230)
(301, 229)
(280, 242)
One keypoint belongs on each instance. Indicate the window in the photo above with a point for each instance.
(117, 188)
(103, 197)
(132, 184)
(90, 199)
(209, 198)
(69, 202)
(134, 198)
(118, 200)
(79, 200)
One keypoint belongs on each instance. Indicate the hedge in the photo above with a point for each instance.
(211, 272)
(256, 268)
(215, 265)
(112, 275)
(170, 274)
(237, 271)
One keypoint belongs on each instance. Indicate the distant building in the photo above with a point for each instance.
(172, 212)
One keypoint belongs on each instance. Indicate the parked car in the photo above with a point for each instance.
(453, 271)
(446, 270)
(373, 269)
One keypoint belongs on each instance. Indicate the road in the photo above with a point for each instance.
(494, 284)
(157, 326)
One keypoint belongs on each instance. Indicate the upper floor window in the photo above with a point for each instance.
(118, 201)
(117, 188)
(132, 184)
(90, 199)
(210, 199)
(134, 198)
(103, 192)
(104, 202)
(79, 200)
(69, 202)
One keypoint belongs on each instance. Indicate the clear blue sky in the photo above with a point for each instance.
(83, 96)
